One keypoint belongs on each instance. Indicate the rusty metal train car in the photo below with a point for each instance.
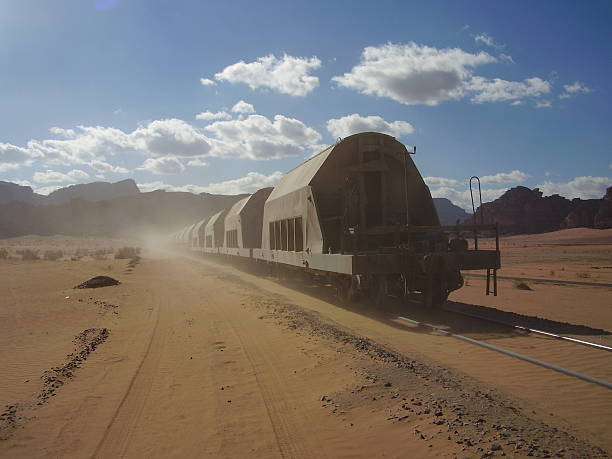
(359, 213)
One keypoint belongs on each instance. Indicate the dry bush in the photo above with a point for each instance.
(81, 253)
(522, 285)
(99, 254)
(4, 254)
(28, 254)
(53, 255)
(127, 252)
(583, 275)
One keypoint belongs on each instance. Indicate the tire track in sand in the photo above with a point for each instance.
(115, 441)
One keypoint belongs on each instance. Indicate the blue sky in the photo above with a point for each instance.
(515, 92)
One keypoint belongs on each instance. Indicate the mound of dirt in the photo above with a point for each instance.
(98, 281)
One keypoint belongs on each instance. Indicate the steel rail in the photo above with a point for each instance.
(516, 355)
(534, 330)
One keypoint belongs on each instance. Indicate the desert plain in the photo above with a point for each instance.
(196, 357)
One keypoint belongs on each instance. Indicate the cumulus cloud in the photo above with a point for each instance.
(544, 104)
(570, 90)
(353, 124)
(585, 187)
(417, 74)
(163, 166)
(50, 176)
(12, 156)
(486, 39)
(250, 183)
(462, 198)
(243, 107)
(498, 90)
(287, 75)
(515, 176)
(197, 162)
(209, 116)
(46, 190)
(258, 137)
(102, 166)
(207, 82)
(413, 74)
(253, 136)
(440, 181)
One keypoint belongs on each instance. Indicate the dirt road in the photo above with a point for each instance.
(203, 360)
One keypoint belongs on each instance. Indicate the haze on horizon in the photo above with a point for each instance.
(224, 98)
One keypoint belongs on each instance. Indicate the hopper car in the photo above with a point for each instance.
(359, 214)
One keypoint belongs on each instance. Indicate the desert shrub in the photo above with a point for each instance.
(583, 275)
(521, 285)
(28, 254)
(127, 252)
(4, 254)
(81, 253)
(99, 254)
(552, 273)
(53, 254)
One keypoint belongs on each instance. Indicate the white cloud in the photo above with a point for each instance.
(517, 102)
(515, 176)
(163, 166)
(170, 137)
(498, 90)
(243, 107)
(353, 124)
(413, 74)
(573, 89)
(487, 40)
(544, 104)
(209, 116)
(506, 58)
(51, 176)
(78, 174)
(440, 182)
(258, 137)
(252, 182)
(207, 82)
(585, 187)
(102, 166)
(20, 182)
(287, 75)
(46, 190)
(197, 162)
(462, 198)
(13, 157)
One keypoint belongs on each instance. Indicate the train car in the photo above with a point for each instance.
(197, 236)
(361, 211)
(214, 232)
(243, 224)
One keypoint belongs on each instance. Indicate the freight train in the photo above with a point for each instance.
(357, 213)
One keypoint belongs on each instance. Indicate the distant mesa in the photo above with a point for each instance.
(449, 213)
(521, 210)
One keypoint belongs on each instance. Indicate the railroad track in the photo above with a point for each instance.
(501, 350)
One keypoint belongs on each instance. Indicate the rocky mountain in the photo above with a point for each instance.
(521, 210)
(448, 212)
(157, 212)
(13, 192)
(95, 191)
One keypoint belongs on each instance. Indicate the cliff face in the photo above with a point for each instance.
(521, 210)
(603, 218)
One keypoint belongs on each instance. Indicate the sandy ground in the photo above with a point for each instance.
(193, 358)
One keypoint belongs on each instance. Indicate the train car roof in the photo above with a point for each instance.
(238, 206)
(209, 226)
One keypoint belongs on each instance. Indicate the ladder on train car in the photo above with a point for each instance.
(474, 210)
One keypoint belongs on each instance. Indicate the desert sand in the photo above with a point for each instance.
(192, 357)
